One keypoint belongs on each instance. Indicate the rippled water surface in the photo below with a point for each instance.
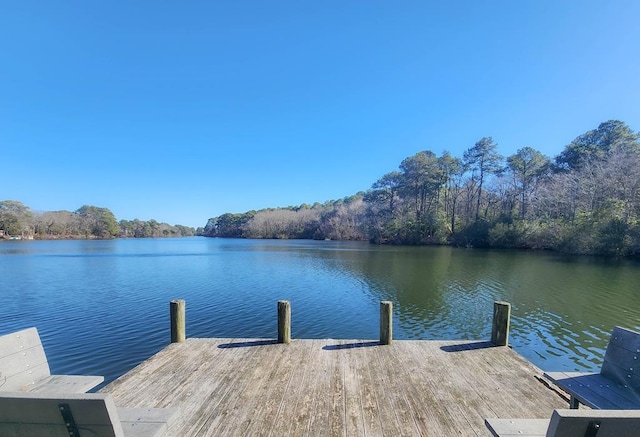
(103, 306)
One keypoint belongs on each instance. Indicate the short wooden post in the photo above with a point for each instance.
(501, 320)
(284, 321)
(386, 322)
(178, 331)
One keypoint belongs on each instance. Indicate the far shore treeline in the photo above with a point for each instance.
(586, 200)
(17, 221)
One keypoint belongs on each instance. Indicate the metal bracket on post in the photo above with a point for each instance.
(574, 403)
(69, 421)
(592, 429)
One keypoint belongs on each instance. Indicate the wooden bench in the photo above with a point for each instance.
(24, 367)
(617, 386)
(571, 423)
(78, 415)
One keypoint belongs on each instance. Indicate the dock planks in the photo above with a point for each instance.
(256, 387)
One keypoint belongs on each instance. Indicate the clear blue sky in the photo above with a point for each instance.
(183, 110)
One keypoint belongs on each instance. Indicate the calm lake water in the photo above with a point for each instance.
(102, 307)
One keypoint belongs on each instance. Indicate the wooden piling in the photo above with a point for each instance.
(501, 320)
(386, 322)
(178, 331)
(284, 321)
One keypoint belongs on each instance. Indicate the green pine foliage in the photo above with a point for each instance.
(585, 201)
(18, 221)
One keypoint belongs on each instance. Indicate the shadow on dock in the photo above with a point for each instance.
(334, 347)
(247, 344)
(467, 346)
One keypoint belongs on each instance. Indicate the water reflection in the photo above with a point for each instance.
(102, 306)
(563, 308)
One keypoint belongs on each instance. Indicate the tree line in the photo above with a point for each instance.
(586, 200)
(19, 221)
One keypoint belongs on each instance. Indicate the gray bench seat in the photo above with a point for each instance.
(617, 385)
(78, 415)
(24, 367)
(571, 423)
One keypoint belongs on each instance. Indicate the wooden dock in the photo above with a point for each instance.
(257, 387)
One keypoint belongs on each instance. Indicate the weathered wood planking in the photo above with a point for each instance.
(336, 387)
